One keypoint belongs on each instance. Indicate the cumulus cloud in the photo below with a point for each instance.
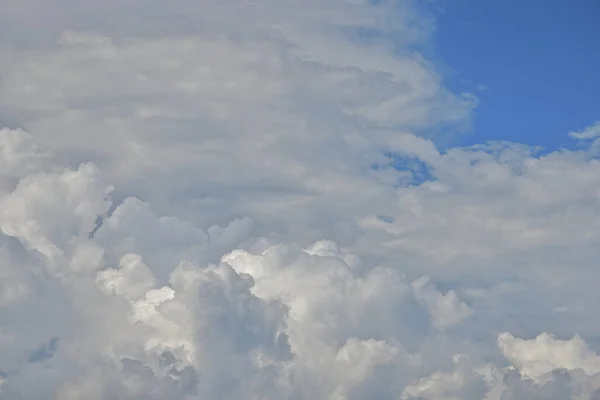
(536, 357)
(250, 201)
(264, 320)
(445, 309)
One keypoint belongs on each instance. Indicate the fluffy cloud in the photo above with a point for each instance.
(145, 317)
(193, 105)
(250, 200)
(536, 357)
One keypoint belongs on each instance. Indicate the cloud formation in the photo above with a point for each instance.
(590, 132)
(250, 201)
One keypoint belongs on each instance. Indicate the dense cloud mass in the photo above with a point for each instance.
(255, 200)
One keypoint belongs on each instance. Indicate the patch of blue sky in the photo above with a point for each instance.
(534, 65)
(418, 170)
(386, 218)
(45, 351)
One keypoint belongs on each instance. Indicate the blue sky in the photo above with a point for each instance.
(538, 61)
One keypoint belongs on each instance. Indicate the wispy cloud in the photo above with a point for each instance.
(591, 132)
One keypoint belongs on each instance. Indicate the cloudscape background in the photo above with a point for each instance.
(297, 199)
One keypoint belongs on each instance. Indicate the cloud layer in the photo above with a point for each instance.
(251, 201)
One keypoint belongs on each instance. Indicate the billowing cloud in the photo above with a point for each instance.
(250, 201)
(536, 357)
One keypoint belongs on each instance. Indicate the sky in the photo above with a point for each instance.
(532, 64)
(299, 199)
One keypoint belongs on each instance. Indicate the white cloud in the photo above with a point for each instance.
(590, 132)
(537, 357)
(152, 316)
(446, 309)
(52, 213)
(20, 156)
(203, 101)
(550, 368)
(464, 381)
(249, 248)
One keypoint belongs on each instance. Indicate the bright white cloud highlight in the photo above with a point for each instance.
(544, 354)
